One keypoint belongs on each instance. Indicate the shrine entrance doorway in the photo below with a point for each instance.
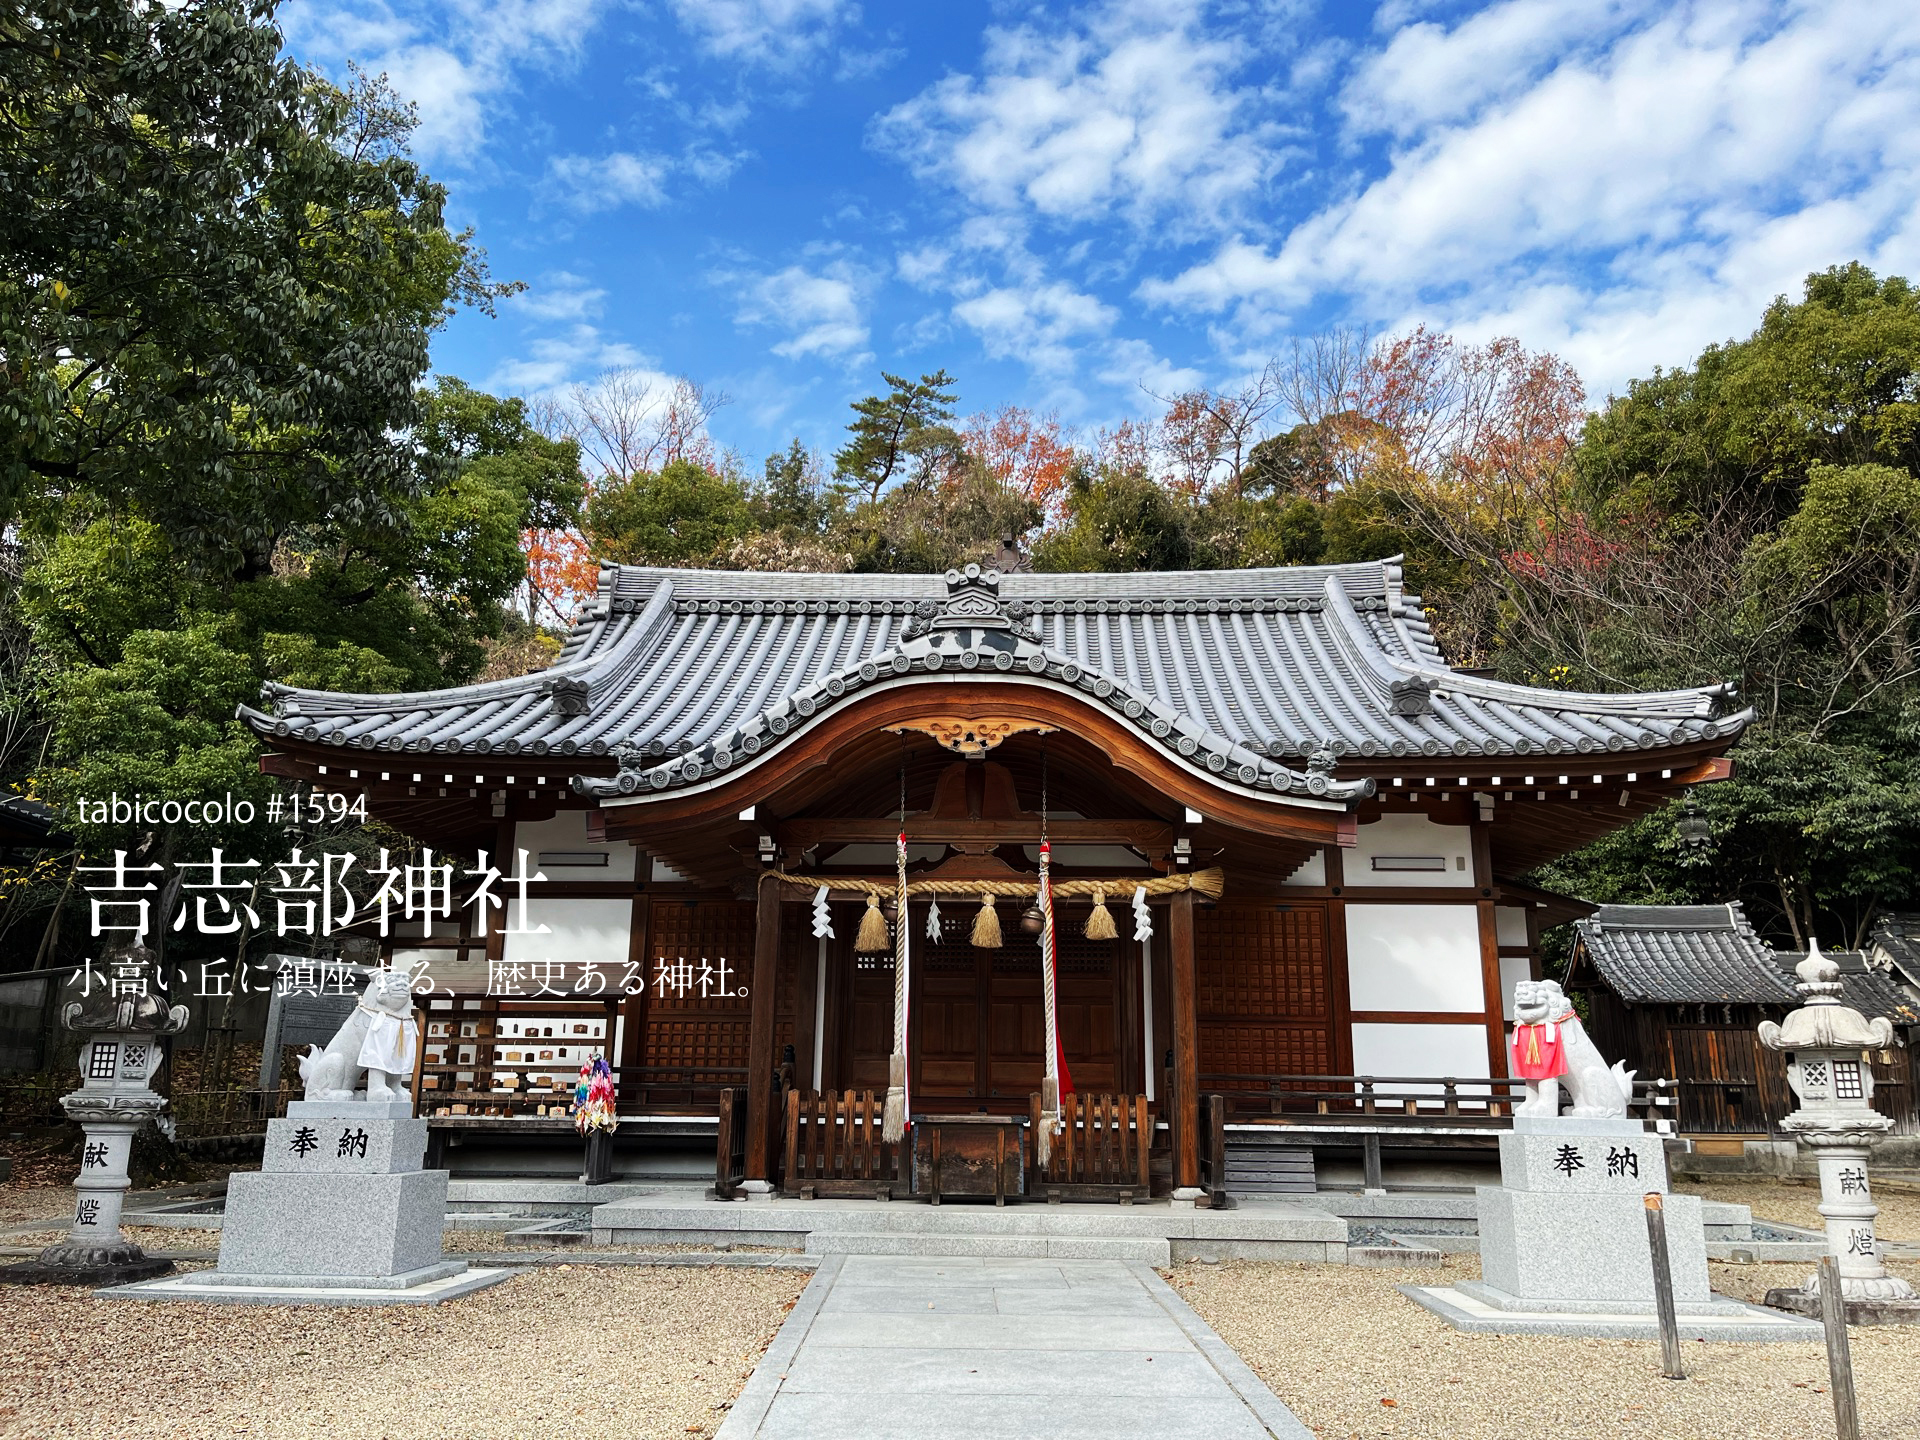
(977, 1019)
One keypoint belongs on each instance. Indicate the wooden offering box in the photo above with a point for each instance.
(972, 1155)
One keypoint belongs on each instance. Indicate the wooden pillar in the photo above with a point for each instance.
(1489, 928)
(766, 954)
(1186, 1044)
(1339, 974)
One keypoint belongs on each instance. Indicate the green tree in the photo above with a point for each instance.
(928, 524)
(1756, 517)
(218, 276)
(1119, 518)
(1829, 379)
(790, 498)
(890, 430)
(683, 515)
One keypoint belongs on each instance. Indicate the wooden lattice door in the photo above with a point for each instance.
(698, 1019)
(1261, 976)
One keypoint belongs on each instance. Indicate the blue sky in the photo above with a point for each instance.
(1069, 207)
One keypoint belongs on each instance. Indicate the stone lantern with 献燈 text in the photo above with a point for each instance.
(1826, 1043)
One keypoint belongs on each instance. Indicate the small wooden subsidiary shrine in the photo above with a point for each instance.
(1283, 838)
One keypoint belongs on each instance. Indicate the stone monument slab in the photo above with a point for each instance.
(1574, 1157)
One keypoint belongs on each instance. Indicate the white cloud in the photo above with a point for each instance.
(1134, 366)
(776, 33)
(824, 313)
(554, 361)
(1035, 324)
(589, 184)
(1651, 178)
(1127, 109)
(927, 267)
(559, 295)
(452, 59)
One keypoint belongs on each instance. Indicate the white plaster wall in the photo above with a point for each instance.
(1415, 1050)
(1414, 957)
(566, 833)
(1513, 969)
(1313, 871)
(1405, 835)
(1510, 923)
(581, 932)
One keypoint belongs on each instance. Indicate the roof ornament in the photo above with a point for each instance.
(566, 697)
(1412, 695)
(1322, 760)
(973, 603)
(1719, 700)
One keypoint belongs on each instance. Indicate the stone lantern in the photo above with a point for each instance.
(1824, 1042)
(119, 1054)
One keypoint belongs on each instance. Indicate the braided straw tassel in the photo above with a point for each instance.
(986, 925)
(1100, 923)
(893, 1119)
(1050, 1085)
(872, 939)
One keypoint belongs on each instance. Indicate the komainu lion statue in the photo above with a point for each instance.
(376, 1041)
(1551, 1048)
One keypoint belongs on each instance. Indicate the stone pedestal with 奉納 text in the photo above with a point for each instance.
(1567, 1223)
(340, 1212)
(1564, 1242)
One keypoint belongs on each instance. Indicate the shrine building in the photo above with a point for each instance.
(1306, 829)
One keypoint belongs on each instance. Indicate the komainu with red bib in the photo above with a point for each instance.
(1551, 1049)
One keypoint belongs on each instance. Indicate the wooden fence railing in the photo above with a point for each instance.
(833, 1147)
(730, 1148)
(1100, 1152)
(1213, 1149)
(1404, 1099)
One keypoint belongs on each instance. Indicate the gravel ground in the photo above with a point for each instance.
(554, 1352)
(1799, 1204)
(1354, 1357)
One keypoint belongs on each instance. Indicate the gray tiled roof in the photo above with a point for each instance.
(686, 673)
(1896, 939)
(1683, 954)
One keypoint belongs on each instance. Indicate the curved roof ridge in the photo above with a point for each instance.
(1253, 580)
(626, 650)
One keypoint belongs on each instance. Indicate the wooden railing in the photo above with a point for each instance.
(730, 1148)
(638, 1089)
(833, 1147)
(1100, 1151)
(1412, 1100)
(1213, 1149)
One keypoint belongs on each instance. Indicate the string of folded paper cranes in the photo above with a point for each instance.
(874, 938)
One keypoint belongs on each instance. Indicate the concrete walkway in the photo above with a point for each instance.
(885, 1347)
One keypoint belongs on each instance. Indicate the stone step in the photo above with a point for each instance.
(1148, 1250)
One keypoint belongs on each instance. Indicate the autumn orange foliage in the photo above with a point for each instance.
(1032, 452)
(561, 573)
